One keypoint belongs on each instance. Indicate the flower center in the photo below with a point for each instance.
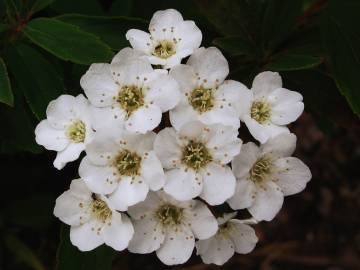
(224, 230)
(127, 163)
(201, 99)
(99, 209)
(130, 98)
(164, 49)
(169, 214)
(76, 132)
(195, 155)
(260, 111)
(261, 169)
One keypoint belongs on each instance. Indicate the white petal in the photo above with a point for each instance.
(243, 162)
(144, 119)
(185, 76)
(152, 171)
(129, 192)
(148, 236)
(131, 72)
(243, 236)
(287, 106)
(283, 145)
(118, 232)
(221, 114)
(110, 119)
(165, 19)
(86, 236)
(49, 137)
(70, 153)
(139, 40)
(181, 115)
(193, 130)
(203, 223)
(138, 143)
(177, 247)
(211, 66)
(175, 59)
(268, 202)
(223, 142)
(219, 184)
(71, 206)
(126, 55)
(292, 175)
(263, 132)
(266, 82)
(60, 111)
(145, 208)
(102, 149)
(235, 93)
(243, 196)
(217, 250)
(189, 36)
(163, 92)
(99, 85)
(183, 185)
(167, 148)
(99, 179)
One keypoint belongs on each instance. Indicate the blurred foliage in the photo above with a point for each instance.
(46, 45)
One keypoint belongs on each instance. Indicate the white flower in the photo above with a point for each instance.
(266, 174)
(67, 128)
(129, 92)
(232, 236)
(125, 166)
(170, 39)
(92, 219)
(169, 227)
(206, 97)
(195, 159)
(268, 107)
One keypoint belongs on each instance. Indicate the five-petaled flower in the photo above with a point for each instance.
(129, 93)
(124, 165)
(233, 235)
(267, 108)
(206, 97)
(170, 38)
(92, 219)
(67, 128)
(195, 159)
(169, 227)
(266, 174)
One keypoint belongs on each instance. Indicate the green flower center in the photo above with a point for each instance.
(201, 99)
(100, 210)
(224, 229)
(164, 49)
(127, 163)
(130, 98)
(195, 155)
(169, 214)
(76, 132)
(261, 169)
(260, 111)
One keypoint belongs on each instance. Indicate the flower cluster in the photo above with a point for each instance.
(162, 148)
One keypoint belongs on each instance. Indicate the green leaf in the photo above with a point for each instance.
(89, 7)
(234, 45)
(240, 17)
(121, 8)
(35, 76)
(6, 95)
(70, 258)
(279, 20)
(67, 41)
(22, 253)
(40, 4)
(341, 39)
(111, 30)
(3, 27)
(288, 62)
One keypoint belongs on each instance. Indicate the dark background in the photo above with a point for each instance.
(315, 45)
